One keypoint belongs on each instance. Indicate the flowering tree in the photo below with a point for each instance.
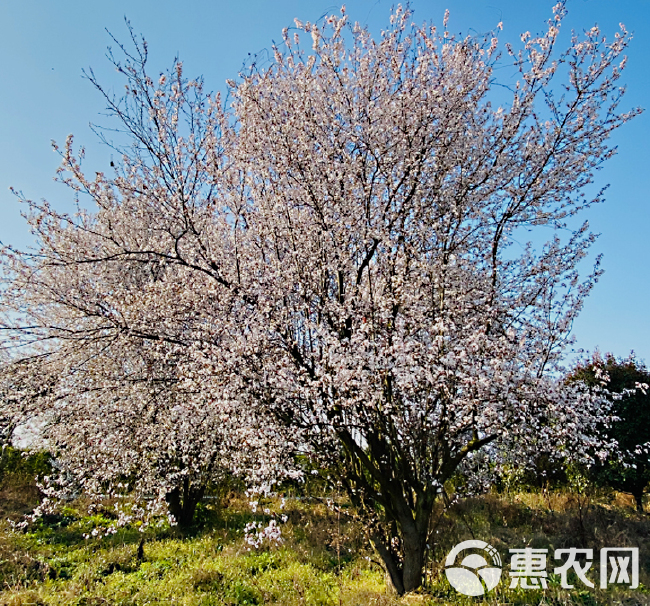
(105, 309)
(122, 421)
(386, 195)
(337, 252)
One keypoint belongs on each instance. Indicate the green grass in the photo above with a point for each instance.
(324, 561)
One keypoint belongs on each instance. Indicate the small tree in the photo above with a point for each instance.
(120, 423)
(127, 427)
(626, 381)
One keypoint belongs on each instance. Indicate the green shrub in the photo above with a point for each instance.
(18, 464)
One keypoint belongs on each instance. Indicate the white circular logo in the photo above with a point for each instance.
(473, 576)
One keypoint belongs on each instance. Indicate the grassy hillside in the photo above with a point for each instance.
(324, 559)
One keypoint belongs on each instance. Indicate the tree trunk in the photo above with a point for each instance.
(414, 547)
(379, 475)
(638, 498)
(405, 575)
(182, 502)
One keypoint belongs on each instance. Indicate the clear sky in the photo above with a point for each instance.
(45, 44)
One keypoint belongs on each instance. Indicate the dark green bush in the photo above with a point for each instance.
(21, 465)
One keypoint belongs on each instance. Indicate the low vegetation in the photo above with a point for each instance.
(324, 558)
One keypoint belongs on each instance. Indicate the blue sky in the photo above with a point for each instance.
(45, 44)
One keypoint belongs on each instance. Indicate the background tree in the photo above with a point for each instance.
(112, 303)
(626, 381)
(125, 427)
(336, 253)
(120, 422)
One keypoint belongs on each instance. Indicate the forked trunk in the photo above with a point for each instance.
(406, 573)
